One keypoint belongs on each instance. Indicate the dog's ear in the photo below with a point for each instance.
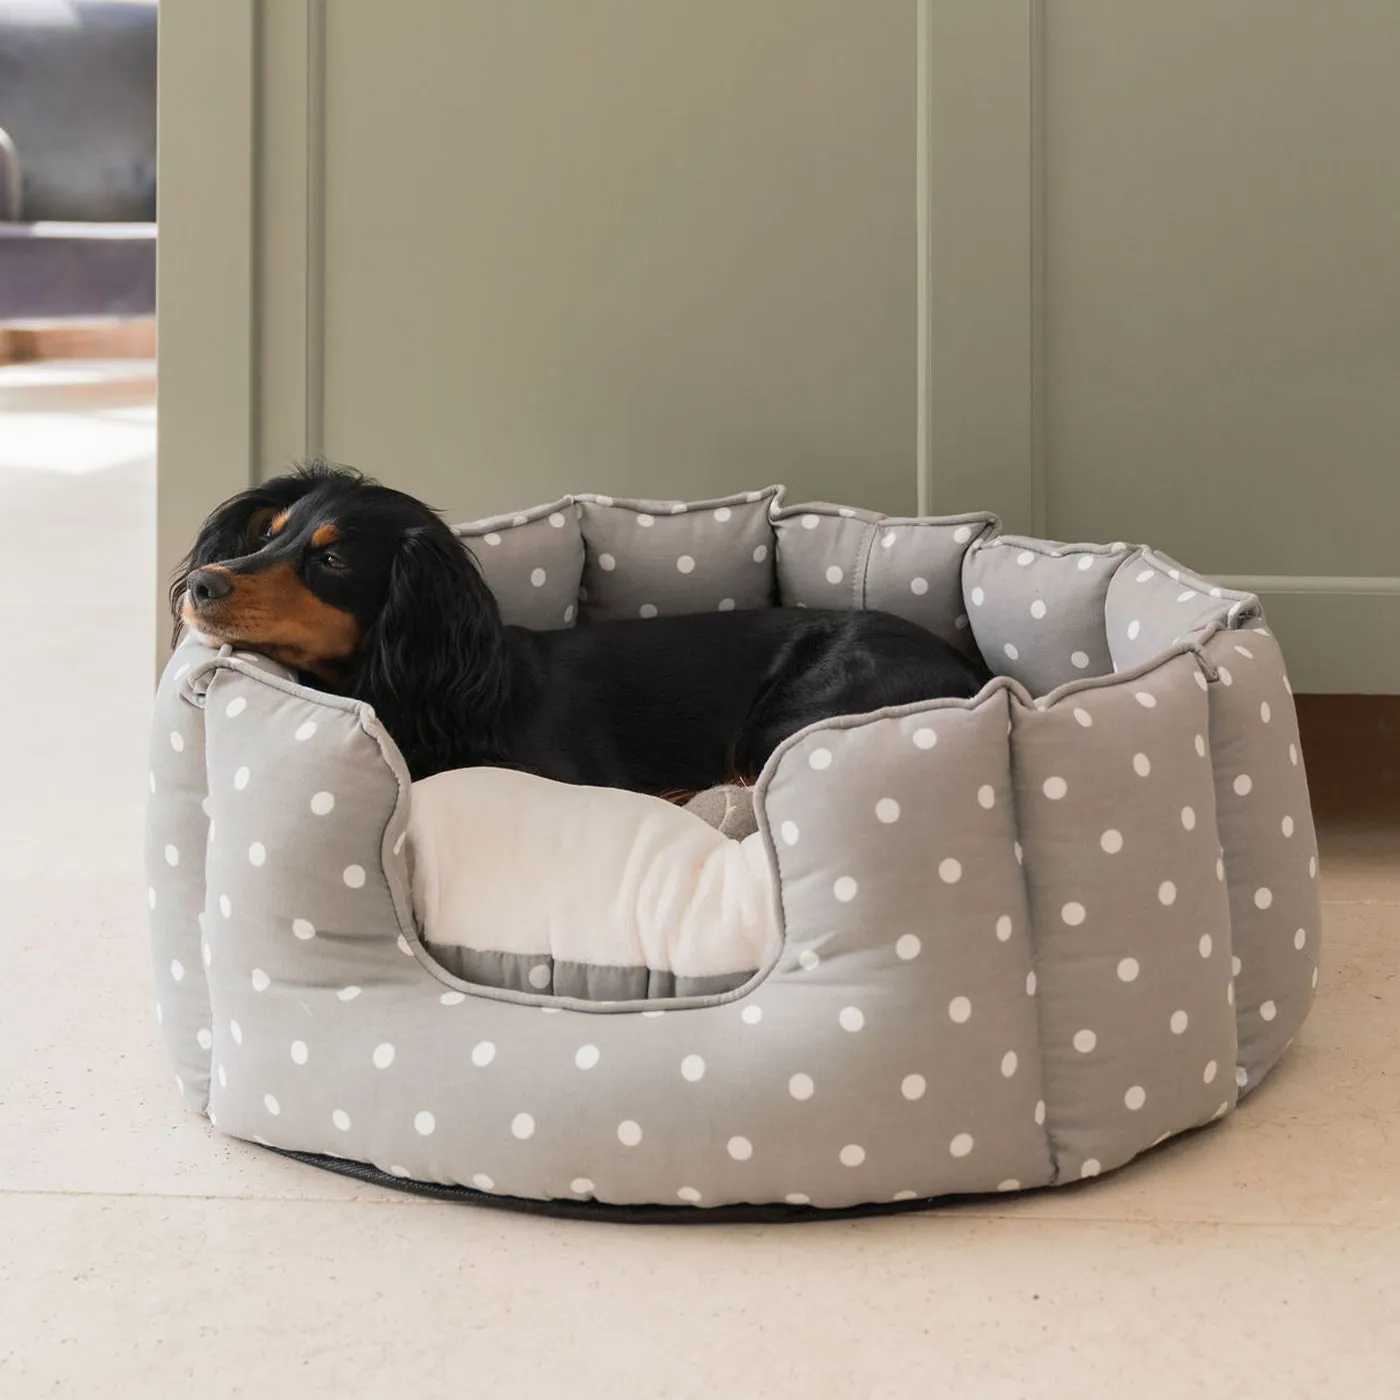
(433, 663)
(235, 529)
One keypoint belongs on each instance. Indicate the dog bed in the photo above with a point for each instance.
(973, 946)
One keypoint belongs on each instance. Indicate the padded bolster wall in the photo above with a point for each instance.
(834, 557)
(531, 561)
(1037, 608)
(1270, 855)
(1116, 802)
(176, 831)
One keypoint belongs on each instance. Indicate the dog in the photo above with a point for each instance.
(365, 591)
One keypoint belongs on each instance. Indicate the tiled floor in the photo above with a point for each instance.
(142, 1254)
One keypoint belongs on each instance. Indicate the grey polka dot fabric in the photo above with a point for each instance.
(1026, 937)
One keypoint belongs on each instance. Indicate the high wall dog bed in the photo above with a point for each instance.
(973, 945)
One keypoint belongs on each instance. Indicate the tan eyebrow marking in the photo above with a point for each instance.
(325, 534)
(278, 522)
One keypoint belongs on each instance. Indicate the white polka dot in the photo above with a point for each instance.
(322, 803)
(1220, 870)
(257, 853)
(354, 876)
(918, 586)
(925, 738)
(797, 1198)
(726, 605)
(740, 1148)
(1025, 557)
(341, 1119)
(1179, 1022)
(1011, 653)
(557, 520)
(1300, 938)
(206, 953)
(1038, 609)
(482, 1182)
(303, 929)
(1145, 575)
(607, 563)
(760, 554)
(1020, 854)
(1146, 699)
(961, 1145)
(907, 947)
(172, 856)
(235, 707)
(800, 1086)
(1135, 1097)
(809, 960)
(887, 810)
(492, 538)
(819, 759)
(539, 976)
(1166, 892)
(959, 1009)
(522, 1126)
(1055, 788)
(1084, 1041)
(240, 779)
(383, 1055)
(452, 998)
(1186, 595)
(1200, 745)
(788, 831)
(1225, 676)
(202, 1037)
(483, 1052)
(1128, 970)
(299, 1052)
(1003, 928)
(1263, 897)
(647, 610)
(1134, 627)
(348, 993)
(834, 573)
(1030, 983)
(1205, 945)
(1241, 1076)
(1083, 718)
(1312, 867)
(261, 981)
(685, 564)
(582, 1186)
(1268, 1010)
(810, 522)
(271, 1104)
(1079, 660)
(1235, 965)
(962, 534)
(722, 514)
(978, 597)
(693, 1068)
(646, 521)
(751, 1015)
(950, 871)
(177, 970)
(586, 1056)
(537, 577)
(1208, 1074)
(1040, 1111)
(1286, 826)
(852, 1018)
(845, 889)
(1008, 1064)
(1188, 818)
(1072, 914)
(1142, 765)
(1314, 979)
(151, 896)
(424, 1123)
(1243, 785)
(1090, 1168)
(1293, 754)
(177, 741)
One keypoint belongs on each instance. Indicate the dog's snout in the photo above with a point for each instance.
(209, 585)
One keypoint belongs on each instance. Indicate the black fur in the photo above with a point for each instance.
(671, 704)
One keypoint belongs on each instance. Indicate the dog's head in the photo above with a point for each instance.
(358, 585)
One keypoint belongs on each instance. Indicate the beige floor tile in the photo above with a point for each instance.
(1360, 861)
(173, 1298)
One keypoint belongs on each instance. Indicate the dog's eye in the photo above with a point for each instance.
(334, 561)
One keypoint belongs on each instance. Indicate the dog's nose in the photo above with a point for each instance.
(208, 586)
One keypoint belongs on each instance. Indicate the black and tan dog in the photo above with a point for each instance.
(365, 591)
